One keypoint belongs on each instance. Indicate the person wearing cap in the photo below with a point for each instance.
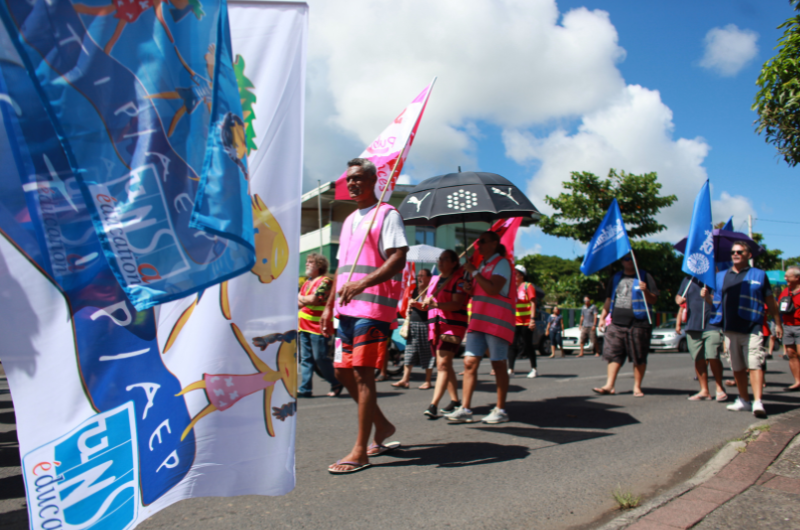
(629, 301)
(525, 324)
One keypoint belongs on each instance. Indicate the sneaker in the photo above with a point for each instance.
(495, 416)
(432, 412)
(451, 408)
(740, 405)
(758, 410)
(461, 415)
(533, 373)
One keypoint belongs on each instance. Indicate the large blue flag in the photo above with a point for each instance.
(609, 243)
(725, 263)
(149, 142)
(698, 258)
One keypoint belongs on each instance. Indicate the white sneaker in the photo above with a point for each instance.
(495, 416)
(533, 374)
(510, 371)
(758, 410)
(740, 405)
(461, 415)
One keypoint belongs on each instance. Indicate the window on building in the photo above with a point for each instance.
(472, 236)
(425, 235)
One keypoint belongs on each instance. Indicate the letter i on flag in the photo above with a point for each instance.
(610, 242)
(698, 258)
(389, 146)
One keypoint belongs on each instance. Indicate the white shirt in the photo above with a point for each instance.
(393, 233)
(503, 268)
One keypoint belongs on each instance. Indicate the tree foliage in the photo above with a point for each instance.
(777, 101)
(769, 260)
(580, 210)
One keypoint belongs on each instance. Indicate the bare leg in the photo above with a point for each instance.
(741, 384)
(794, 364)
(406, 377)
(613, 370)
(452, 384)
(716, 370)
(501, 376)
(757, 382)
(444, 365)
(427, 384)
(701, 369)
(383, 427)
(638, 376)
(471, 364)
(552, 351)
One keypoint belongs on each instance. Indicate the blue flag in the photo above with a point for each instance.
(729, 225)
(723, 265)
(609, 243)
(698, 258)
(146, 143)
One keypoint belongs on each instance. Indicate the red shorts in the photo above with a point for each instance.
(361, 342)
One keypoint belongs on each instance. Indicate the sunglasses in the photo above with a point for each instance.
(626, 258)
(737, 252)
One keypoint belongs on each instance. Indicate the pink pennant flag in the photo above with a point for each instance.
(385, 151)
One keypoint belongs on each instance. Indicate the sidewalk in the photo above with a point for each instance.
(759, 487)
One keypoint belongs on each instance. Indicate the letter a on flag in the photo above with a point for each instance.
(698, 258)
(609, 243)
(385, 151)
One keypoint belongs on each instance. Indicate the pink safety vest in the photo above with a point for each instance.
(493, 314)
(448, 322)
(378, 302)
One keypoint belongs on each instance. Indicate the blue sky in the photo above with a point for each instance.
(591, 84)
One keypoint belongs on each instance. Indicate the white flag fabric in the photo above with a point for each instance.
(122, 413)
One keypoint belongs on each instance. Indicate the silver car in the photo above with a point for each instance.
(665, 337)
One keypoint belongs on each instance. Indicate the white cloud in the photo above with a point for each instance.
(737, 206)
(405, 178)
(729, 49)
(514, 63)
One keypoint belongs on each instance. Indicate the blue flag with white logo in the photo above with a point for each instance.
(609, 243)
(139, 132)
(698, 258)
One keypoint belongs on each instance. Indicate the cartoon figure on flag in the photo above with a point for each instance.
(390, 149)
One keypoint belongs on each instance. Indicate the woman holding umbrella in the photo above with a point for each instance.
(447, 320)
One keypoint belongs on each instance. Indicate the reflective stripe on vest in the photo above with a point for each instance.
(378, 302)
(445, 322)
(494, 314)
(310, 315)
(523, 312)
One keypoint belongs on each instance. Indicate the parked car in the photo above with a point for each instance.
(572, 337)
(666, 338)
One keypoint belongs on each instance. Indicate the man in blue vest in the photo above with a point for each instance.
(628, 300)
(739, 301)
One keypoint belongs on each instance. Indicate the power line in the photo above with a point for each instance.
(774, 221)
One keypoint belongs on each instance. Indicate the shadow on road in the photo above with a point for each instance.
(577, 412)
(557, 436)
(456, 454)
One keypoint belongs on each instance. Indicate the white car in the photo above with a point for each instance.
(571, 337)
(665, 337)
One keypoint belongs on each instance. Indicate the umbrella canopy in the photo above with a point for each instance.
(723, 243)
(423, 253)
(463, 198)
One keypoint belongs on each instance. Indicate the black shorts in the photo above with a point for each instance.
(620, 343)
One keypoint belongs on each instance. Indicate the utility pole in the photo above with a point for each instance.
(319, 212)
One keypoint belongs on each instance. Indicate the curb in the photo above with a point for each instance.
(766, 450)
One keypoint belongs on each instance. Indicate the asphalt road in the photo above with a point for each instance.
(554, 465)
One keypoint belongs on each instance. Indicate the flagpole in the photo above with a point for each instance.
(635, 266)
(375, 213)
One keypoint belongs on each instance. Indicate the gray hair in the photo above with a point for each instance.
(320, 261)
(794, 269)
(367, 166)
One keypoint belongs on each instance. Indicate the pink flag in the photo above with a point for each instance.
(385, 150)
(507, 230)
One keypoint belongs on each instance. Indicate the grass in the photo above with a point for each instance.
(625, 499)
(760, 428)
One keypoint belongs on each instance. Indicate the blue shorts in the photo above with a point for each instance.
(478, 342)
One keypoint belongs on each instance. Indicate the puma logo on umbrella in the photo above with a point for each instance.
(418, 202)
(500, 192)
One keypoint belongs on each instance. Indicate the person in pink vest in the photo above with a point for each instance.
(366, 305)
(491, 326)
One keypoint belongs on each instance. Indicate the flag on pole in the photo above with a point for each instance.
(610, 242)
(385, 151)
(729, 225)
(507, 230)
(726, 263)
(698, 258)
(407, 286)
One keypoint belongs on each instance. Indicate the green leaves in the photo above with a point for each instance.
(579, 213)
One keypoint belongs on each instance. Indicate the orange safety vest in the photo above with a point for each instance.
(523, 312)
(310, 315)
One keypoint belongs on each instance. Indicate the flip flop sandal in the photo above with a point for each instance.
(603, 392)
(698, 397)
(378, 450)
(335, 391)
(722, 396)
(639, 395)
(356, 467)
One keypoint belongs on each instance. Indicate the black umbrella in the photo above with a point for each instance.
(465, 197)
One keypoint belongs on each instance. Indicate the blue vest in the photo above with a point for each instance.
(637, 296)
(751, 301)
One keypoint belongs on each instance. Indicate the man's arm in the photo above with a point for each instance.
(649, 297)
(394, 264)
(594, 318)
(773, 310)
(326, 321)
(580, 324)
(604, 314)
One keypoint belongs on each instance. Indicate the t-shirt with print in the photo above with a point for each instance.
(393, 233)
(554, 323)
(623, 303)
(503, 268)
(588, 314)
